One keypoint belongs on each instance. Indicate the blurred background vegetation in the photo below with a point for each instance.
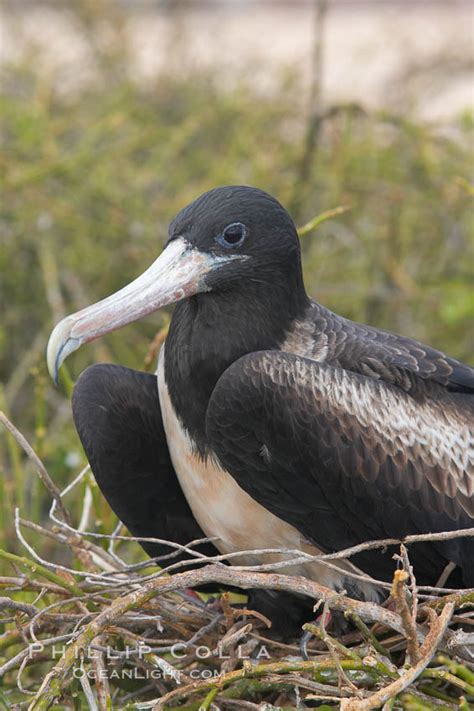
(97, 158)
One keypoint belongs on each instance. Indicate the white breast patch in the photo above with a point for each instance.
(225, 511)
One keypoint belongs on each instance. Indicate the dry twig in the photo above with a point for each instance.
(144, 614)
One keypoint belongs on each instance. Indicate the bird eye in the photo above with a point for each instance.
(233, 235)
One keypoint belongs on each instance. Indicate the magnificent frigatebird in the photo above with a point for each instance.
(273, 422)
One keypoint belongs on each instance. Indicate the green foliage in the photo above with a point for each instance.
(92, 177)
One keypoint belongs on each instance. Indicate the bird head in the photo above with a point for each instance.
(229, 239)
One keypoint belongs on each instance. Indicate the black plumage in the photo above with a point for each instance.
(117, 415)
(333, 465)
(280, 421)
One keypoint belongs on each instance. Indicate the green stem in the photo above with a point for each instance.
(450, 678)
(324, 637)
(206, 704)
(366, 633)
(322, 217)
(39, 569)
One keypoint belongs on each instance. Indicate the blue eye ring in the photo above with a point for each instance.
(232, 236)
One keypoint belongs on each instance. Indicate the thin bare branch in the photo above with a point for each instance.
(438, 627)
(42, 471)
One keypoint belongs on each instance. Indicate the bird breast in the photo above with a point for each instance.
(227, 514)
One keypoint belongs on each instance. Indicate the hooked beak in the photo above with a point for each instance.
(178, 272)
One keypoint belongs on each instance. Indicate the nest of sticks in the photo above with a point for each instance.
(107, 634)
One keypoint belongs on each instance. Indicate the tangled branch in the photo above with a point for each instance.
(112, 618)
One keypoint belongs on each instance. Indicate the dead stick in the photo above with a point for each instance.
(399, 595)
(51, 687)
(42, 471)
(428, 649)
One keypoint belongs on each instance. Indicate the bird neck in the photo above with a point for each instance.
(209, 332)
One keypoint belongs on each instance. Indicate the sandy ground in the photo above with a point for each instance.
(375, 52)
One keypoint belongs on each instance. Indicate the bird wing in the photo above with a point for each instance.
(405, 362)
(347, 458)
(117, 415)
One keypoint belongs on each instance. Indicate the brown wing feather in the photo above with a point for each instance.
(347, 457)
(325, 336)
